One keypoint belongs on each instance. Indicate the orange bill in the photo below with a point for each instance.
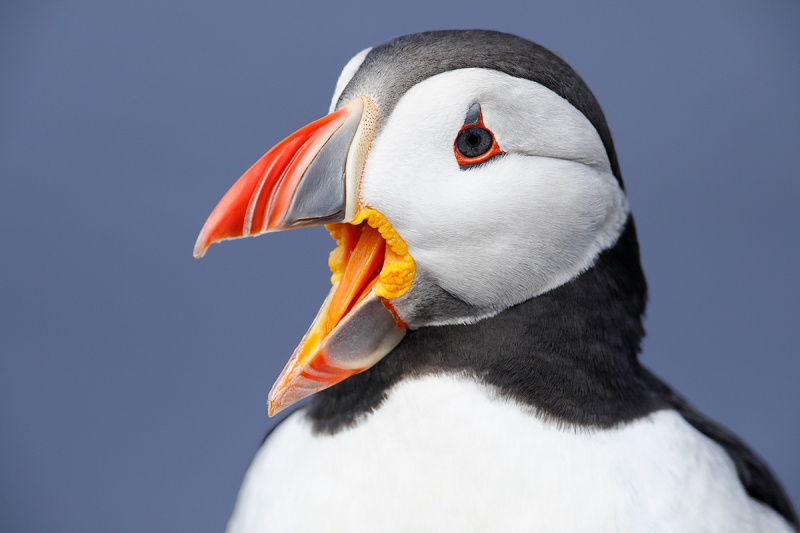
(305, 180)
(311, 178)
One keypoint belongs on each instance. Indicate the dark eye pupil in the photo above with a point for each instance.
(474, 142)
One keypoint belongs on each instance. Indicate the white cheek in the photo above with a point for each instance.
(495, 239)
(499, 233)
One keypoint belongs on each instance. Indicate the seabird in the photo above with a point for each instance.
(475, 364)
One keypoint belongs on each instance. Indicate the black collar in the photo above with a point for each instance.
(569, 354)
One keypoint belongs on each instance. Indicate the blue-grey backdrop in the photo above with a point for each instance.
(133, 379)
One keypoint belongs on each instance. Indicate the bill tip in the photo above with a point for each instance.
(200, 246)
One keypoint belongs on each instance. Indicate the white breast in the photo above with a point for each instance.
(443, 455)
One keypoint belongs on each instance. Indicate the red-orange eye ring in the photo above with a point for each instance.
(475, 143)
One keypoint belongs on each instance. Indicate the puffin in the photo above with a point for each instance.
(475, 364)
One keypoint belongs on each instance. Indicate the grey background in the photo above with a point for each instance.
(133, 379)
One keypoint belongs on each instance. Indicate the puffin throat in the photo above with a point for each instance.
(363, 245)
(357, 324)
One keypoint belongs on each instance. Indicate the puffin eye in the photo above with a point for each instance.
(474, 142)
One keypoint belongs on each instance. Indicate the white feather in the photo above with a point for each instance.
(442, 454)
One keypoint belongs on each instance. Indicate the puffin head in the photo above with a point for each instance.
(460, 173)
